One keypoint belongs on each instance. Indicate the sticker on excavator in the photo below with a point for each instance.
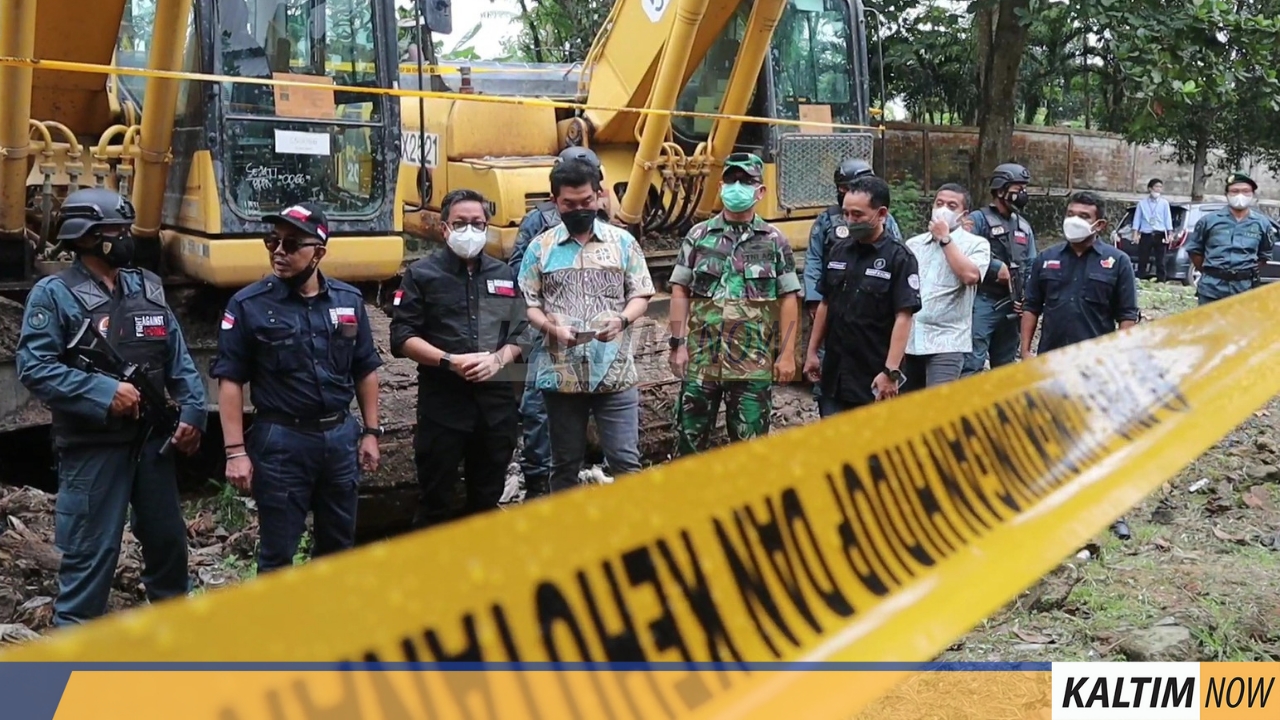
(418, 147)
(296, 101)
(816, 114)
(655, 9)
(881, 534)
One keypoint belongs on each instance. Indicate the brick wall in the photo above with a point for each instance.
(1060, 160)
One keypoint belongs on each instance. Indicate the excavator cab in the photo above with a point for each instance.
(243, 150)
(815, 71)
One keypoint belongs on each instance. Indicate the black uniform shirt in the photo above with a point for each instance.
(1080, 297)
(301, 356)
(865, 286)
(460, 312)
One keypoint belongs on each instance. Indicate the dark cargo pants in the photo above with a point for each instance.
(97, 486)
(300, 471)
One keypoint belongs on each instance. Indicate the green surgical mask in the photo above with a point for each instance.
(738, 197)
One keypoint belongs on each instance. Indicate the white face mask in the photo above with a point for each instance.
(947, 215)
(1155, 194)
(1077, 229)
(1240, 202)
(468, 242)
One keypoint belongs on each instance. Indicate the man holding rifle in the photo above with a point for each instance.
(108, 432)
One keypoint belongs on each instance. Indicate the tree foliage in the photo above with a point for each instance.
(1205, 73)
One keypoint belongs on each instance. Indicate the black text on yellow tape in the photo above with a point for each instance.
(878, 535)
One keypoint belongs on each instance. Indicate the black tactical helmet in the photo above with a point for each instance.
(851, 170)
(1008, 174)
(87, 210)
(580, 153)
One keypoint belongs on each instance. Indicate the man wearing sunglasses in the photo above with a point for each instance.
(458, 314)
(735, 314)
(304, 345)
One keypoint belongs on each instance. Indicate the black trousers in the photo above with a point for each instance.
(483, 452)
(1149, 244)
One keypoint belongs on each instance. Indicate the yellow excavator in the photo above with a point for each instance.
(203, 161)
(774, 59)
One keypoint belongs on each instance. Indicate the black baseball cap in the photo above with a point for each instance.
(307, 217)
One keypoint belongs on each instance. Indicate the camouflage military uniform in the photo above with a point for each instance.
(735, 275)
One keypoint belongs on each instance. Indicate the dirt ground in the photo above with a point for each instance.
(1199, 579)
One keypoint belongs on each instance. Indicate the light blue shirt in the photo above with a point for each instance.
(1153, 215)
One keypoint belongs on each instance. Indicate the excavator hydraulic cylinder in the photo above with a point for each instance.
(737, 96)
(168, 42)
(17, 39)
(666, 89)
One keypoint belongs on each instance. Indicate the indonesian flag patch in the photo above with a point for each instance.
(395, 299)
(228, 321)
(345, 315)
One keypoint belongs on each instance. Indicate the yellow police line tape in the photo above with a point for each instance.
(67, 66)
(882, 534)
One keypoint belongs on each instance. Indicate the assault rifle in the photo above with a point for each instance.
(1015, 288)
(89, 351)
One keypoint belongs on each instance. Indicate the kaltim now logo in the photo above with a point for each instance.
(1163, 691)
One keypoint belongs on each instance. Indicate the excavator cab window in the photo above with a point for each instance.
(288, 144)
(812, 65)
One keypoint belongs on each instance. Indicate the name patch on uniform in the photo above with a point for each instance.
(1020, 238)
(342, 315)
(395, 299)
(228, 321)
(837, 265)
(150, 326)
(1052, 264)
(1108, 262)
(504, 288)
(883, 275)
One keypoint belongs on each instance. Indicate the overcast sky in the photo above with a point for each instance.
(466, 13)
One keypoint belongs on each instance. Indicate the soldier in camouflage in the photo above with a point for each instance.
(735, 314)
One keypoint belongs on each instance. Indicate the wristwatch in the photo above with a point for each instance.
(446, 361)
(944, 241)
(674, 342)
(374, 431)
(895, 375)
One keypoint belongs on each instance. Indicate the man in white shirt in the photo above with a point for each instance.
(952, 263)
(1152, 229)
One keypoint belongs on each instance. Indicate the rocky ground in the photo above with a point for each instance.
(1199, 579)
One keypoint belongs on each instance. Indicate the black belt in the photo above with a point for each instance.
(312, 424)
(1229, 275)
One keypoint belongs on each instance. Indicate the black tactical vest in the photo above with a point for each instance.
(137, 326)
(1010, 244)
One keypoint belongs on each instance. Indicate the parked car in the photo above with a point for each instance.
(1177, 263)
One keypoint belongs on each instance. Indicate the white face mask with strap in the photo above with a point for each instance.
(1077, 229)
(467, 242)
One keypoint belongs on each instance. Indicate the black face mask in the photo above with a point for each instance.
(578, 222)
(295, 282)
(1018, 200)
(117, 252)
(858, 232)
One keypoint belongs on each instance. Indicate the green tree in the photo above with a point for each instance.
(1205, 71)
